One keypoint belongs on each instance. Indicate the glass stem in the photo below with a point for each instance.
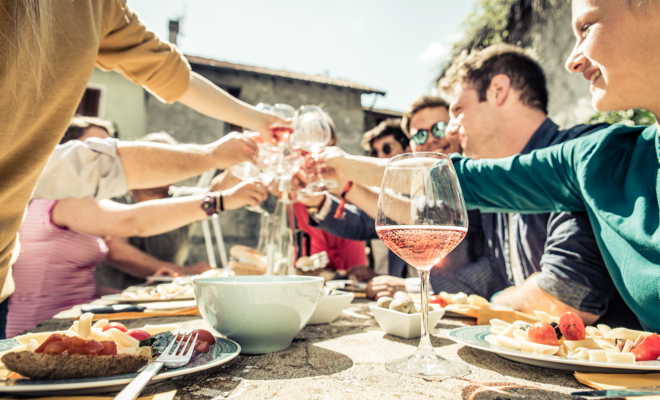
(319, 176)
(425, 346)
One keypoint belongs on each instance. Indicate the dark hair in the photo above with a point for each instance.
(80, 124)
(391, 126)
(418, 105)
(477, 69)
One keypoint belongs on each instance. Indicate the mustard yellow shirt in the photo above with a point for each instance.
(86, 33)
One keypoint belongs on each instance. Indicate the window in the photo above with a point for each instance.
(90, 103)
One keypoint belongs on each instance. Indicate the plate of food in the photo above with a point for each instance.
(565, 343)
(461, 305)
(97, 358)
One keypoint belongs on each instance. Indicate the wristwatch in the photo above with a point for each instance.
(212, 203)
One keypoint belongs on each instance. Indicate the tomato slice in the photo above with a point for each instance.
(57, 347)
(571, 326)
(435, 299)
(116, 325)
(139, 334)
(203, 336)
(648, 349)
(202, 347)
(93, 347)
(109, 348)
(55, 337)
(542, 332)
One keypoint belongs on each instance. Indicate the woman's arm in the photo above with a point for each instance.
(148, 218)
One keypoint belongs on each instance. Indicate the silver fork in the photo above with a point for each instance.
(168, 359)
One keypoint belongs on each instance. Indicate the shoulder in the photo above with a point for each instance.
(607, 139)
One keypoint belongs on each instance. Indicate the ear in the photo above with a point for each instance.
(499, 89)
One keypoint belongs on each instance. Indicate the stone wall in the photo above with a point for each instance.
(188, 126)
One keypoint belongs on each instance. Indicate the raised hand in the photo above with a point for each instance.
(244, 194)
(232, 149)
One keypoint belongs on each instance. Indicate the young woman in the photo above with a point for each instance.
(612, 174)
(62, 241)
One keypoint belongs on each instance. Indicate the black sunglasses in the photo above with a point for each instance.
(387, 150)
(439, 130)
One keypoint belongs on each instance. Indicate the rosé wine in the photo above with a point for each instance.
(281, 134)
(419, 245)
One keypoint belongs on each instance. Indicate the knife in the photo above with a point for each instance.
(628, 392)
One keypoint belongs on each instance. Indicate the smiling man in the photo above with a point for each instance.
(551, 261)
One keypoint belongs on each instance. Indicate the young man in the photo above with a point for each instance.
(550, 261)
(386, 140)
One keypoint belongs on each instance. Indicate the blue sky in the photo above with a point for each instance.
(394, 46)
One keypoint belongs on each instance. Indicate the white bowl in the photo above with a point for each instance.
(261, 313)
(330, 306)
(407, 326)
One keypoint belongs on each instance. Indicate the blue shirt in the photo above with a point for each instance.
(612, 175)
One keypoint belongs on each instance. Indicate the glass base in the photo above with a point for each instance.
(427, 365)
(321, 186)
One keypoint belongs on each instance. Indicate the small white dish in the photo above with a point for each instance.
(330, 306)
(407, 326)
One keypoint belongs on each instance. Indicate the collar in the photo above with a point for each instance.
(543, 136)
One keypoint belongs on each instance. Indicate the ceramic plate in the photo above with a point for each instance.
(118, 298)
(475, 336)
(224, 350)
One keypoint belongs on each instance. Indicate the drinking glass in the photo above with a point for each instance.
(281, 133)
(312, 134)
(421, 218)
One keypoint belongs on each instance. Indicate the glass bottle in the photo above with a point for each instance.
(283, 242)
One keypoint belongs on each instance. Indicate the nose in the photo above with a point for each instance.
(452, 128)
(577, 62)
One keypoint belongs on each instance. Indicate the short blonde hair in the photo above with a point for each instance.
(80, 124)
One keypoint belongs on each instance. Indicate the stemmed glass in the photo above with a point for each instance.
(421, 218)
(312, 134)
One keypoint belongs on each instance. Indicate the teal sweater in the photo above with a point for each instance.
(613, 176)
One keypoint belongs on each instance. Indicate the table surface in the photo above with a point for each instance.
(344, 360)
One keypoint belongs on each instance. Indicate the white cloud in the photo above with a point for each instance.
(438, 51)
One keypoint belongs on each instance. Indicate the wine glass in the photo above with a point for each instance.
(312, 134)
(421, 218)
(281, 133)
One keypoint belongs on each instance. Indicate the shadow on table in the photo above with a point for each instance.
(435, 341)
(493, 362)
(507, 390)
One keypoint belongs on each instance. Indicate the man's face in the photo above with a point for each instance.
(470, 123)
(426, 119)
(386, 147)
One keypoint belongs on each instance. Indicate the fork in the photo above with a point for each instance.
(169, 359)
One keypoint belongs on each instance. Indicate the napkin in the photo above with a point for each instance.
(485, 315)
(161, 396)
(619, 381)
(192, 311)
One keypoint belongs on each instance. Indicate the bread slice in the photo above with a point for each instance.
(57, 366)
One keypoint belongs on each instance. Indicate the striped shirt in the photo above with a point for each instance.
(54, 271)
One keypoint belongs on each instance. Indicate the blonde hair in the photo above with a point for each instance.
(29, 34)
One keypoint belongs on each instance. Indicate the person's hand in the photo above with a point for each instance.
(167, 271)
(224, 181)
(384, 285)
(361, 273)
(234, 148)
(196, 268)
(265, 120)
(244, 194)
(298, 183)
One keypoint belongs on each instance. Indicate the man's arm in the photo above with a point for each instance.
(356, 225)
(573, 275)
(206, 98)
(364, 198)
(368, 171)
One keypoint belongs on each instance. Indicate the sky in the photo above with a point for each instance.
(390, 45)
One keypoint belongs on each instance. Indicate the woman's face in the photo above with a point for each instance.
(618, 50)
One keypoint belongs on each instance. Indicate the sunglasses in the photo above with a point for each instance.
(439, 130)
(387, 150)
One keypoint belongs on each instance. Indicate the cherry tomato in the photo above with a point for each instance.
(542, 333)
(116, 325)
(648, 349)
(203, 336)
(571, 326)
(435, 299)
(139, 334)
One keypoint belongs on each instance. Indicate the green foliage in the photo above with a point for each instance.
(486, 25)
(627, 117)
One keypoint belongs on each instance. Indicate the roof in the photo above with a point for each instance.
(284, 74)
(382, 111)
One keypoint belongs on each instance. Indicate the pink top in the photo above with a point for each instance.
(343, 253)
(55, 270)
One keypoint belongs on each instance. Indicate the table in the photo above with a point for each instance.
(344, 360)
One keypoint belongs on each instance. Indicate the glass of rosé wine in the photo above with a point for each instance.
(421, 218)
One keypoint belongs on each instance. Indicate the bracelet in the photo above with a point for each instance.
(339, 214)
(209, 204)
(222, 202)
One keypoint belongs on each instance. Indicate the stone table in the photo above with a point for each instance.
(344, 360)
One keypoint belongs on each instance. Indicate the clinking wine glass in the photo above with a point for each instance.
(312, 134)
(421, 218)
